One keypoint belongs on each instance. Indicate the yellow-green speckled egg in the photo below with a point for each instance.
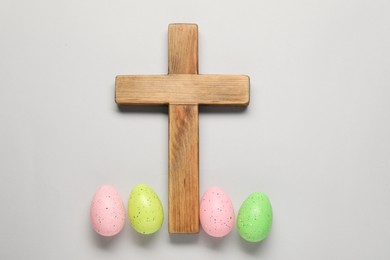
(254, 218)
(145, 210)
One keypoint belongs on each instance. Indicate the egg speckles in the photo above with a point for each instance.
(216, 213)
(107, 211)
(254, 218)
(145, 210)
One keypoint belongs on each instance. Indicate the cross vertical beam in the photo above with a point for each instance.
(183, 176)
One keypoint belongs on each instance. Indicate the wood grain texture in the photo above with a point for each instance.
(183, 204)
(183, 89)
(183, 49)
(183, 173)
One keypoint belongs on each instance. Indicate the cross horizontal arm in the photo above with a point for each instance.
(228, 90)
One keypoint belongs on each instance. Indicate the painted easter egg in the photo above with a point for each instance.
(145, 210)
(216, 212)
(107, 211)
(254, 218)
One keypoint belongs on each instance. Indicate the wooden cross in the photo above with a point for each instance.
(183, 90)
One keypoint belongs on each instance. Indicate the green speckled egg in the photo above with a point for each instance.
(145, 210)
(254, 218)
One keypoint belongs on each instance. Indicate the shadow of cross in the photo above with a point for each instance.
(183, 90)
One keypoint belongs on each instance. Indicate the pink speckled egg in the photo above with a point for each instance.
(216, 212)
(107, 211)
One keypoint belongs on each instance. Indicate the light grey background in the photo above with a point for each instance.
(315, 137)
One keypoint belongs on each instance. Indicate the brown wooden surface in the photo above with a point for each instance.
(183, 205)
(183, 49)
(183, 173)
(183, 89)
